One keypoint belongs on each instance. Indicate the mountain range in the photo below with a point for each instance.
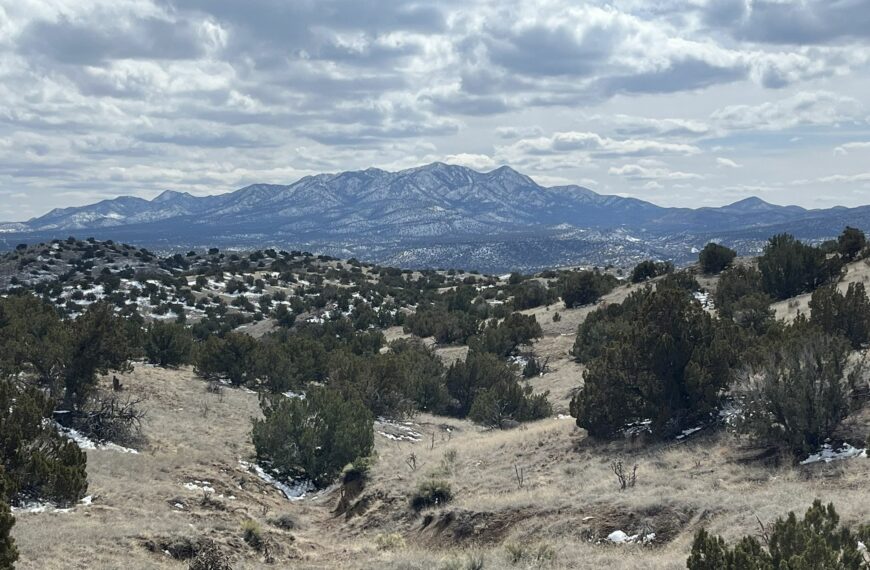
(436, 215)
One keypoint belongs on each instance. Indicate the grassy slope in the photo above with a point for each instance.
(569, 499)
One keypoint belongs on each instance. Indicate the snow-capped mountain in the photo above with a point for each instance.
(430, 209)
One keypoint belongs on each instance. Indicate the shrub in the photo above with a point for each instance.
(8, 552)
(648, 269)
(714, 258)
(314, 437)
(39, 463)
(789, 267)
(753, 313)
(484, 377)
(431, 493)
(848, 315)
(446, 326)
(230, 357)
(99, 341)
(209, 557)
(817, 541)
(168, 344)
(408, 378)
(252, 533)
(509, 401)
(669, 363)
(736, 283)
(503, 338)
(851, 243)
(799, 395)
(585, 287)
(529, 295)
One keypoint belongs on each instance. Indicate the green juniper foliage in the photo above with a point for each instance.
(39, 463)
(313, 437)
(168, 344)
(789, 267)
(817, 542)
(799, 393)
(847, 315)
(8, 552)
(851, 243)
(714, 258)
(663, 358)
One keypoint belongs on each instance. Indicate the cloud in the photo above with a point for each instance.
(120, 96)
(651, 172)
(597, 146)
(727, 163)
(791, 22)
(804, 108)
(846, 148)
(476, 161)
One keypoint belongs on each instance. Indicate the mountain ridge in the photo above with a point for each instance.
(415, 213)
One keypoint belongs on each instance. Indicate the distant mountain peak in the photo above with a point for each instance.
(751, 202)
(168, 195)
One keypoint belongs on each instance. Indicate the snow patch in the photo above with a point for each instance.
(85, 442)
(619, 537)
(196, 485)
(294, 491)
(398, 431)
(828, 454)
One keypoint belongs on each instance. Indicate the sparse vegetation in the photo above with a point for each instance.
(391, 426)
(431, 493)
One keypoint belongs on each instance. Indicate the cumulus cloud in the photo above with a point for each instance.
(103, 97)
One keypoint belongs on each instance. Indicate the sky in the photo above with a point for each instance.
(679, 102)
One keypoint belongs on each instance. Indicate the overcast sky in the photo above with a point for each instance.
(697, 102)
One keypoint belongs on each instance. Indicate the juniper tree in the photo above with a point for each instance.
(848, 315)
(168, 344)
(8, 552)
(815, 542)
(790, 267)
(851, 243)
(39, 463)
(314, 437)
(798, 395)
(714, 258)
(669, 364)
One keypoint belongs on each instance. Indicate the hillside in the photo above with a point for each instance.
(436, 215)
(537, 494)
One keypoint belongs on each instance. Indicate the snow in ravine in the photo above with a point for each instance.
(294, 491)
(86, 443)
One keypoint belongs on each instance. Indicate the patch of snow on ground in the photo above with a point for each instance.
(48, 507)
(638, 428)
(297, 395)
(704, 298)
(85, 442)
(293, 491)
(397, 431)
(619, 537)
(196, 485)
(828, 454)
